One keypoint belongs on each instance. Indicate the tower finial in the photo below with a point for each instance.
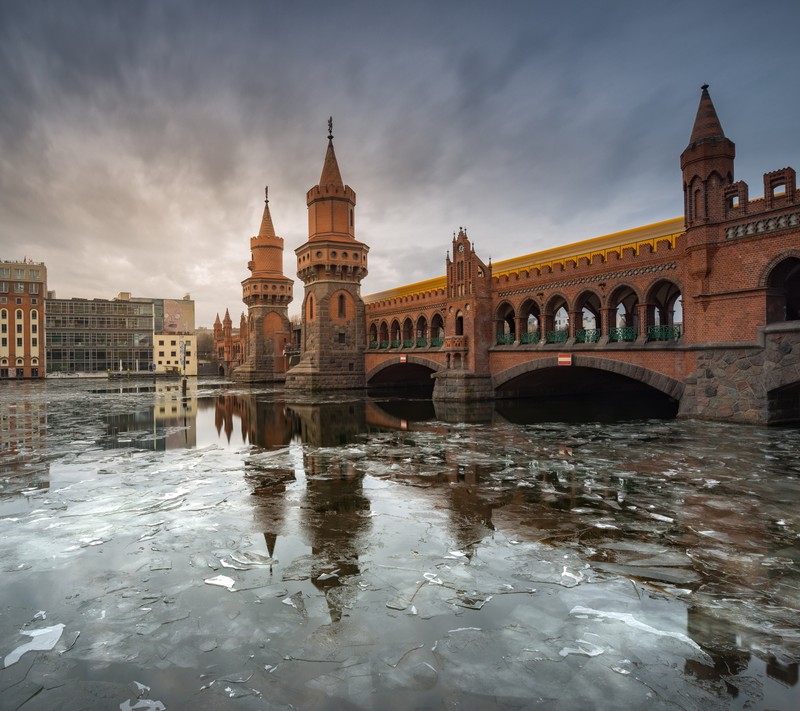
(330, 128)
(266, 194)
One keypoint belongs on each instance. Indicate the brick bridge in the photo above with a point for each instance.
(704, 309)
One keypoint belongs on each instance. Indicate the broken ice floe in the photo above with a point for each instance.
(222, 581)
(42, 640)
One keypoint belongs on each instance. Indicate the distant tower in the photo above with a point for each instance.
(331, 264)
(707, 167)
(267, 293)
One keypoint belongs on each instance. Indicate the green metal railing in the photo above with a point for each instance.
(395, 344)
(384, 344)
(373, 345)
(505, 339)
(422, 343)
(437, 342)
(530, 337)
(587, 335)
(627, 333)
(408, 343)
(560, 336)
(663, 333)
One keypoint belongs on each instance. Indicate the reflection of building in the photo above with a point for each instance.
(118, 335)
(23, 433)
(169, 423)
(23, 286)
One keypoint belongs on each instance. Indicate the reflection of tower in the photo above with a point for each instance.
(267, 293)
(263, 423)
(331, 264)
(334, 516)
(330, 424)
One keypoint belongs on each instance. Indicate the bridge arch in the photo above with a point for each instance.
(658, 381)
(781, 278)
(664, 303)
(412, 373)
(505, 322)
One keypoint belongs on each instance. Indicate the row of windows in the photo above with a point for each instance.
(4, 328)
(91, 338)
(18, 315)
(174, 354)
(20, 273)
(4, 342)
(85, 308)
(19, 287)
(19, 300)
(99, 322)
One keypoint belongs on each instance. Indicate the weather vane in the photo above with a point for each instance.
(266, 193)
(330, 128)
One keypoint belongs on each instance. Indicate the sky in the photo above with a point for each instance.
(136, 138)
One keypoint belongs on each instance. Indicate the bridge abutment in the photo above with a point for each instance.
(462, 386)
(749, 384)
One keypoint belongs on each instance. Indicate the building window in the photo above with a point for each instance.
(19, 343)
(3, 287)
(35, 273)
(19, 328)
(34, 315)
(161, 354)
(18, 315)
(33, 288)
(4, 328)
(34, 342)
(19, 273)
(34, 328)
(173, 354)
(4, 343)
(172, 343)
(341, 306)
(19, 287)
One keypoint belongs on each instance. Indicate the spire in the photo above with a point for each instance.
(707, 127)
(330, 169)
(266, 229)
(217, 319)
(227, 318)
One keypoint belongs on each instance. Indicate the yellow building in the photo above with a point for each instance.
(175, 353)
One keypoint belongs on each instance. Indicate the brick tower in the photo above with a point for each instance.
(707, 167)
(267, 293)
(331, 264)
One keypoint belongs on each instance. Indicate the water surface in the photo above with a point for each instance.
(232, 548)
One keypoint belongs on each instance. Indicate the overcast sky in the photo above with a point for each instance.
(136, 138)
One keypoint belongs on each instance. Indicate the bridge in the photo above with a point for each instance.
(704, 309)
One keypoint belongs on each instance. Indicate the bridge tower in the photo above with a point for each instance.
(707, 167)
(331, 265)
(267, 293)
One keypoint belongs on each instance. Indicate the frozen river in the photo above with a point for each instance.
(232, 549)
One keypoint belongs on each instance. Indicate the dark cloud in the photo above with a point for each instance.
(136, 137)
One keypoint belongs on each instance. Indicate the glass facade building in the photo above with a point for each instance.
(99, 335)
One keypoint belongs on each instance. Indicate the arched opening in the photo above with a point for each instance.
(663, 304)
(310, 308)
(408, 333)
(341, 306)
(556, 321)
(783, 291)
(530, 322)
(373, 335)
(588, 308)
(406, 379)
(505, 324)
(459, 324)
(422, 332)
(580, 394)
(783, 405)
(394, 334)
(383, 341)
(624, 322)
(437, 330)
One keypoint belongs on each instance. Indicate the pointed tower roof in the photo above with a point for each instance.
(707, 127)
(330, 168)
(227, 318)
(216, 321)
(266, 229)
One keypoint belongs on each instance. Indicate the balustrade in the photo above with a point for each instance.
(626, 333)
(663, 333)
(587, 335)
(558, 336)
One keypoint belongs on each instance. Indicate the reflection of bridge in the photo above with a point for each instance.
(704, 309)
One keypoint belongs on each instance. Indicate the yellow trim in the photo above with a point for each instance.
(634, 238)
